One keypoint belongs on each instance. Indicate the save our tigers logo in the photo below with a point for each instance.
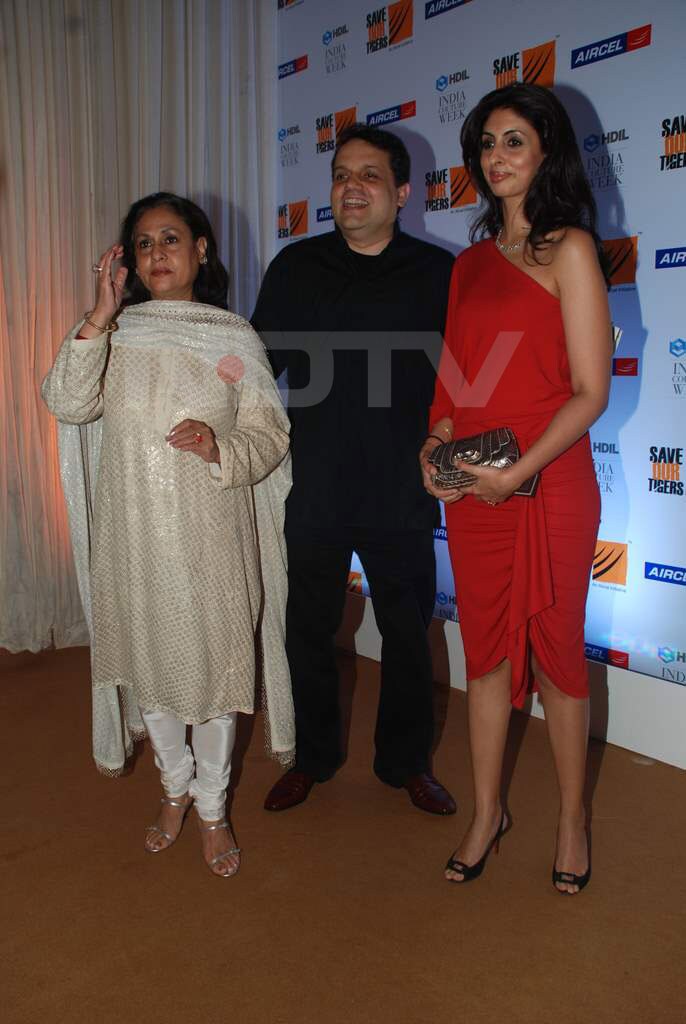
(610, 562)
(293, 219)
(329, 126)
(448, 188)
(390, 26)
(622, 256)
(535, 65)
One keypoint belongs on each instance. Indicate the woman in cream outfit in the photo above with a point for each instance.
(186, 553)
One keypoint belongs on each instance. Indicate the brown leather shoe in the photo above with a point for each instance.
(428, 794)
(291, 789)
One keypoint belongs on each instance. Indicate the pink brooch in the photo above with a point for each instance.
(230, 369)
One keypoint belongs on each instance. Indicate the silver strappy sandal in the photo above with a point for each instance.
(221, 856)
(152, 832)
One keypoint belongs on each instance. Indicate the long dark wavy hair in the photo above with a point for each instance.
(212, 283)
(559, 196)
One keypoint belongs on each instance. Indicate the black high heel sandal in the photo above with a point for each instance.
(471, 871)
(568, 878)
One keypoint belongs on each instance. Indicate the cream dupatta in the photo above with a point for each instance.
(212, 334)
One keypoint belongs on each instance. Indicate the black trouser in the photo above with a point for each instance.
(401, 573)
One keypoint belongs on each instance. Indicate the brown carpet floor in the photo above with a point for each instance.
(339, 912)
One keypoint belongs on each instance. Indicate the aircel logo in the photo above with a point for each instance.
(665, 573)
(390, 114)
(607, 655)
(675, 257)
(436, 7)
(625, 366)
(292, 67)
(613, 46)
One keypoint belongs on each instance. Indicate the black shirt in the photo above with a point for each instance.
(373, 326)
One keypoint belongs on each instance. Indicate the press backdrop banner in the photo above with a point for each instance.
(418, 68)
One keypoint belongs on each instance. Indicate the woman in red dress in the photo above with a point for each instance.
(529, 328)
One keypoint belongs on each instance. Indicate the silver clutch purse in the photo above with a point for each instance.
(497, 448)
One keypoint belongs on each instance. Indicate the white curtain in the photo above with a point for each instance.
(101, 102)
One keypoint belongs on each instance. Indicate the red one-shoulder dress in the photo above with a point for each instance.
(521, 568)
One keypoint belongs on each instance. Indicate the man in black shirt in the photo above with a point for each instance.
(369, 303)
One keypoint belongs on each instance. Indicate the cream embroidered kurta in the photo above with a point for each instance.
(178, 558)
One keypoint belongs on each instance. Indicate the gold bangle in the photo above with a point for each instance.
(109, 328)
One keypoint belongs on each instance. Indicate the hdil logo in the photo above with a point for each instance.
(335, 33)
(605, 448)
(593, 141)
(678, 348)
(669, 655)
(443, 81)
(610, 138)
(285, 133)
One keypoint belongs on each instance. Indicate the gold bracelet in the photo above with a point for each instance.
(109, 328)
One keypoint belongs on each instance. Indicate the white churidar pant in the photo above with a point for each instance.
(203, 771)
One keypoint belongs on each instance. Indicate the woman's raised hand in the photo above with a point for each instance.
(110, 287)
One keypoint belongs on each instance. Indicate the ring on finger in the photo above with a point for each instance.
(96, 268)
(197, 439)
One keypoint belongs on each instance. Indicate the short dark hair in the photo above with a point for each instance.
(380, 139)
(212, 283)
(559, 195)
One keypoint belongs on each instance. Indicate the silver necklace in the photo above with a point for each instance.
(512, 247)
